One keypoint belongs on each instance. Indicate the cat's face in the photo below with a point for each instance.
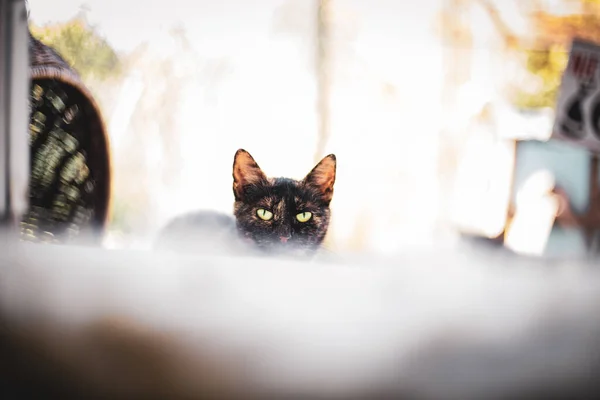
(281, 214)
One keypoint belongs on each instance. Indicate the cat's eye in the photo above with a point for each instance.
(263, 214)
(304, 216)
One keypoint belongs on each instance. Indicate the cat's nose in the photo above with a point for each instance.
(284, 239)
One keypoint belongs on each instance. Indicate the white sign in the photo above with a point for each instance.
(578, 106)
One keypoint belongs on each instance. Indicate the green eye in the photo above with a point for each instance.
(264, 214)
(304, 216)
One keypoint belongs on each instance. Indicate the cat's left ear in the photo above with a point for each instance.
(322, 177)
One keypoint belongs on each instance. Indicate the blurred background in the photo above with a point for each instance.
(423, 103)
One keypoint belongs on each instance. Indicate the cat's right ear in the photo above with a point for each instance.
(245, 172)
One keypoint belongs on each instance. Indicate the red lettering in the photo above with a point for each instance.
(576, 64)
(584, 66)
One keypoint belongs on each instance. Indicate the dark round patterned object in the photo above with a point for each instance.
(572, 125)
(70, 160)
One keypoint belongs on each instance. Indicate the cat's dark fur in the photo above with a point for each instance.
(285, 198)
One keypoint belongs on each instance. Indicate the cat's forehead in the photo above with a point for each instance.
(282, 190)
(290, 190)
(284, 186)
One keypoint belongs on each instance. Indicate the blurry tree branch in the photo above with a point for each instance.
(323, 70)
(329, 32)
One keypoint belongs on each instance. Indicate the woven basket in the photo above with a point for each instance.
(70, 183)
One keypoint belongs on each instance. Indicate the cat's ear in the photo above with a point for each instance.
(322, 177)
(245, 172)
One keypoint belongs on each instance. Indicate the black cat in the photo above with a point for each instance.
(272, 215)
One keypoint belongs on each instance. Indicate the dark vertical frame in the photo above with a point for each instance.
(14, 85)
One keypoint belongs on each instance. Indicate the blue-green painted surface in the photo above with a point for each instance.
(571, 167)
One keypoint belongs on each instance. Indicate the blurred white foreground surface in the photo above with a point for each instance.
(444, 324)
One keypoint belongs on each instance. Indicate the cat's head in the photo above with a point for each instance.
(281, 214)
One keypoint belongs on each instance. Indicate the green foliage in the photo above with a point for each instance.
(554, 34)
(81, 46)
(548, 65)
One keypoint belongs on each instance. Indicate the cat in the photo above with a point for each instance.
(279, 216)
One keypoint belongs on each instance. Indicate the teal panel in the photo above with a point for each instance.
(571, 167)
